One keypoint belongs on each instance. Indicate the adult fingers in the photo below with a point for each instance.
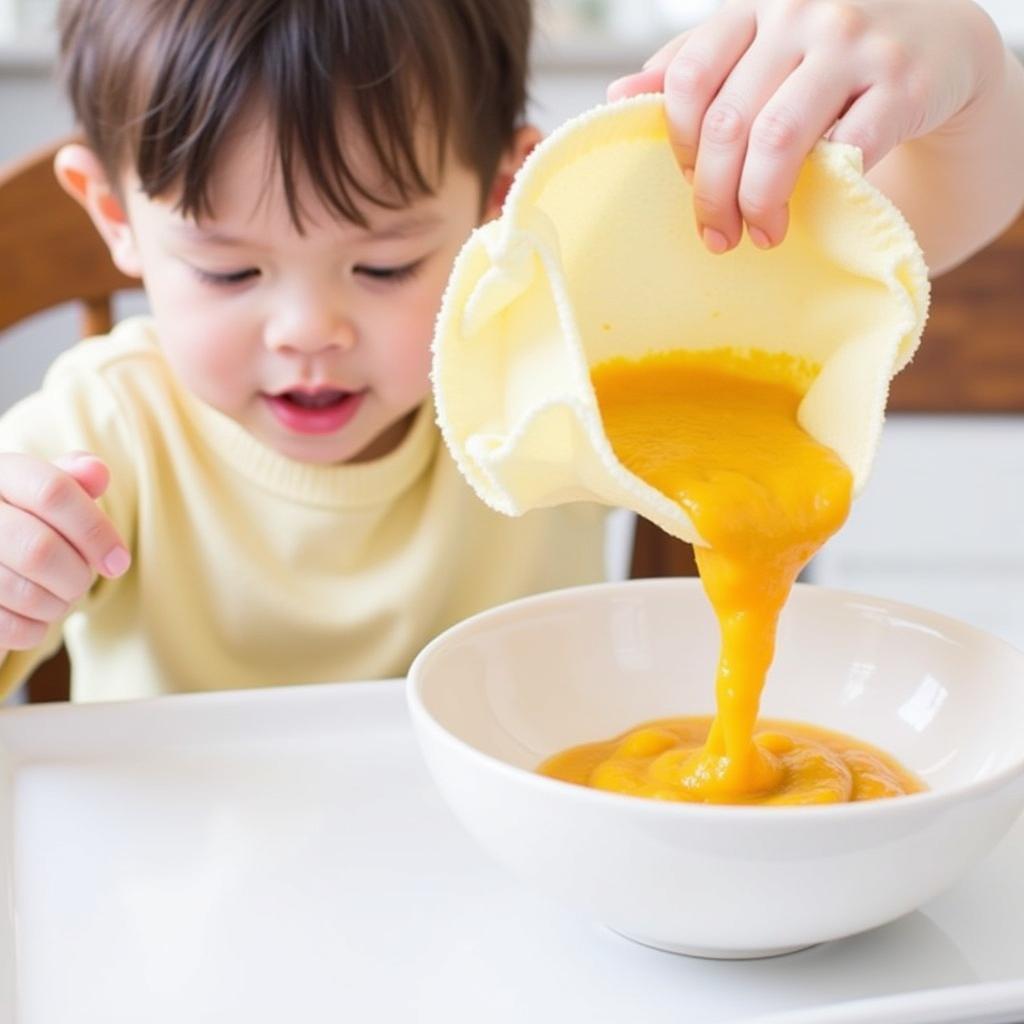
(695, 74)
(635, 84)
(802, 110)
(873, 124)
(724, 135)
(651, 77)
(661, 60)
(53, 497)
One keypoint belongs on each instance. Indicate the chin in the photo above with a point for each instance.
(329, 455)
(320, 450)
(347, 445)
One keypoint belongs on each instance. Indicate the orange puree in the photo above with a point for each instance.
(656, 760)
(717, 431)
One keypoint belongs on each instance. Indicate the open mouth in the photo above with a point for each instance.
(315, 399)
(317, 411)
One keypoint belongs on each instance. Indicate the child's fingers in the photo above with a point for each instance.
(90, 472)
(696, 73)
(872, 124)
(802, 110)
(35, 551)
(18, 633)
(52, 497)
(724, 137)
(29, 600)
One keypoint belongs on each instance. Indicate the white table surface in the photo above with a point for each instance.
(283, 856)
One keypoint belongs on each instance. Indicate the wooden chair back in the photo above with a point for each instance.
(54, 256)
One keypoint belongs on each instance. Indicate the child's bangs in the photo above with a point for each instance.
(356, 90)
(386, 102)
(381, 143)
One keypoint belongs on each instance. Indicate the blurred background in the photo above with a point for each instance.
(941, 523)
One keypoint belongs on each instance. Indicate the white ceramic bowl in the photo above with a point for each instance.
(498, 693)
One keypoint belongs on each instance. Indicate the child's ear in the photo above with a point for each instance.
(526, 138)
(82, 176)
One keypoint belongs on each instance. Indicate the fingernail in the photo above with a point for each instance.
(117, 561)
(759, 238)
(715, 241)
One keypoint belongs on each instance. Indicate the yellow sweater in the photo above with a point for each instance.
(251, 569)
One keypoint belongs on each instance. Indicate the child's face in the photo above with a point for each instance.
(316, 343)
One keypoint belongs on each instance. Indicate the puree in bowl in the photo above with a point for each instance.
(660, 759)
(717, 431)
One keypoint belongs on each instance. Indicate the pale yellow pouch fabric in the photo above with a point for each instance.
(596, 256)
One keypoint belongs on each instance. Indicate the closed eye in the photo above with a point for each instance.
(233, 277)
(391, 275)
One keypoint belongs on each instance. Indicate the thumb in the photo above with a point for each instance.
(649, 80)
(88, 471)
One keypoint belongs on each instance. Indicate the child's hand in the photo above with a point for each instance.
(53, 540)
(749, 92)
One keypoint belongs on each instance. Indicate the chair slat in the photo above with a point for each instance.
(54, 253)
(53, 256)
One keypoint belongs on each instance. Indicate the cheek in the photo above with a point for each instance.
(401, 341)
(402, 358)
(411, 358)
(211, 362)
(413, 371)
(207, 344)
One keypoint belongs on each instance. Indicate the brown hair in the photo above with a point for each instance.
(159, 84)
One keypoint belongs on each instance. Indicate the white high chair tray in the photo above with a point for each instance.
(283, 856)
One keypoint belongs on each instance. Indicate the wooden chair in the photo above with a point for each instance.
(55, 257)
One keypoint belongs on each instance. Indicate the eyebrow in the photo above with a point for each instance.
(403, 227)
(194, 233)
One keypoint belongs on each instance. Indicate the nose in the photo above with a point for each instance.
(309, 323)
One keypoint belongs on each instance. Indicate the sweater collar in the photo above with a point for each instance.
(343, 485)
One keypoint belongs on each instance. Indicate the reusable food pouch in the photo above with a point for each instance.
(596, 256)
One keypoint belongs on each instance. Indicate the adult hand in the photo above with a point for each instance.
(750, 91)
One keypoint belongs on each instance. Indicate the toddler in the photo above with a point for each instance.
(248, 488)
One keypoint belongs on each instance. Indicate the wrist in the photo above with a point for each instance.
(988, 53)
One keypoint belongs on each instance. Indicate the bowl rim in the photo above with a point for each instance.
(928, 801)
